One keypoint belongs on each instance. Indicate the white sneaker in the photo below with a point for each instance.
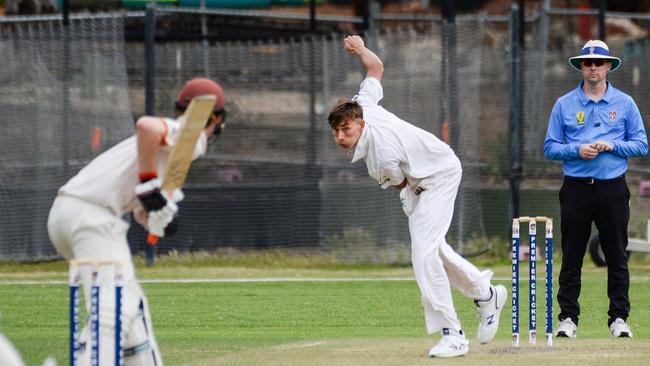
(620, 329)
(567, 328)
(450, 345)
(489, 312)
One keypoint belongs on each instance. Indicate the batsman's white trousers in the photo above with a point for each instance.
(86, 231)
(436, 265)
(8, 354)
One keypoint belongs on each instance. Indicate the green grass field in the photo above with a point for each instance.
(306, 315)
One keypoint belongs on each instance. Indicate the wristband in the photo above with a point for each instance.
(147, 176)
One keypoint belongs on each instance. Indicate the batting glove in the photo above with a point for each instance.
(159, 219)
(172, 227)
(150, 195)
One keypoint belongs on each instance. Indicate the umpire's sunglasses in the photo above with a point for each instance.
(593, 61)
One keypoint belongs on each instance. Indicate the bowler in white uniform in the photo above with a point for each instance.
(427, 173)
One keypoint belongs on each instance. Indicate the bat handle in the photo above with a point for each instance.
(152, 239)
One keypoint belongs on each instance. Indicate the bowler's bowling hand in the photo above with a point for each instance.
(354, 45)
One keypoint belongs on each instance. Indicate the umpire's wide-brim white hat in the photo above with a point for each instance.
(595, 49)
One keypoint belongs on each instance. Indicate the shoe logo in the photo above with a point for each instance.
(490, 319)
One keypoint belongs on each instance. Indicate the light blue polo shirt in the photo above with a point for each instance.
(577, 120)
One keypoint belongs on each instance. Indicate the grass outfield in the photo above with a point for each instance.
(306, 315)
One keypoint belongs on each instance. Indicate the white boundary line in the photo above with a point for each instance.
(235, 280)
(225, 280)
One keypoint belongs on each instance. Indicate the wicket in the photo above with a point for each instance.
(99, 271)
(532, 240)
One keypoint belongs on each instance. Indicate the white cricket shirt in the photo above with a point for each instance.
(109, 180)
(394, 149)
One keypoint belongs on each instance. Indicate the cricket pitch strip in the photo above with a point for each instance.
(396, 352)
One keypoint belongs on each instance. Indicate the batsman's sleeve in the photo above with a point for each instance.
(173, 133)
(201, 146)
(173, 128)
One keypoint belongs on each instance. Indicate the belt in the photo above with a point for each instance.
(590, 180)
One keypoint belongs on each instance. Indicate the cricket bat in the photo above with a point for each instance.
(180, 158)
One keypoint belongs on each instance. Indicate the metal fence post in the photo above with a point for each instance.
(374, 11)
(536, 96)
(204, 41)
(65, 115)
(311, 196)
(149, 86)
(516, 132)
(449, 98)
(149, 58)
(602, 32)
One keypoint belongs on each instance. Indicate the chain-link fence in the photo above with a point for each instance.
(63, 100)
(275, 178)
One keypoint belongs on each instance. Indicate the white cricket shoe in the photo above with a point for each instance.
(567, 328)
(489, 312)
(450, 345)
(620, 329)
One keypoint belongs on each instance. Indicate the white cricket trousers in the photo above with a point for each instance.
(9, 356)
(436, 265)
(80, 230)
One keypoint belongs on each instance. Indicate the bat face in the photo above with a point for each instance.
(180, 158)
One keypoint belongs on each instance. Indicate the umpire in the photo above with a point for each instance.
(594, 129)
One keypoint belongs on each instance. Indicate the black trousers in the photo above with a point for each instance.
(605, 203)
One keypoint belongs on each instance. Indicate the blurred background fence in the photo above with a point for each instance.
(275, 179)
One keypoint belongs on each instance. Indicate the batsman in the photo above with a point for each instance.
(86, 218)
(402, 156)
